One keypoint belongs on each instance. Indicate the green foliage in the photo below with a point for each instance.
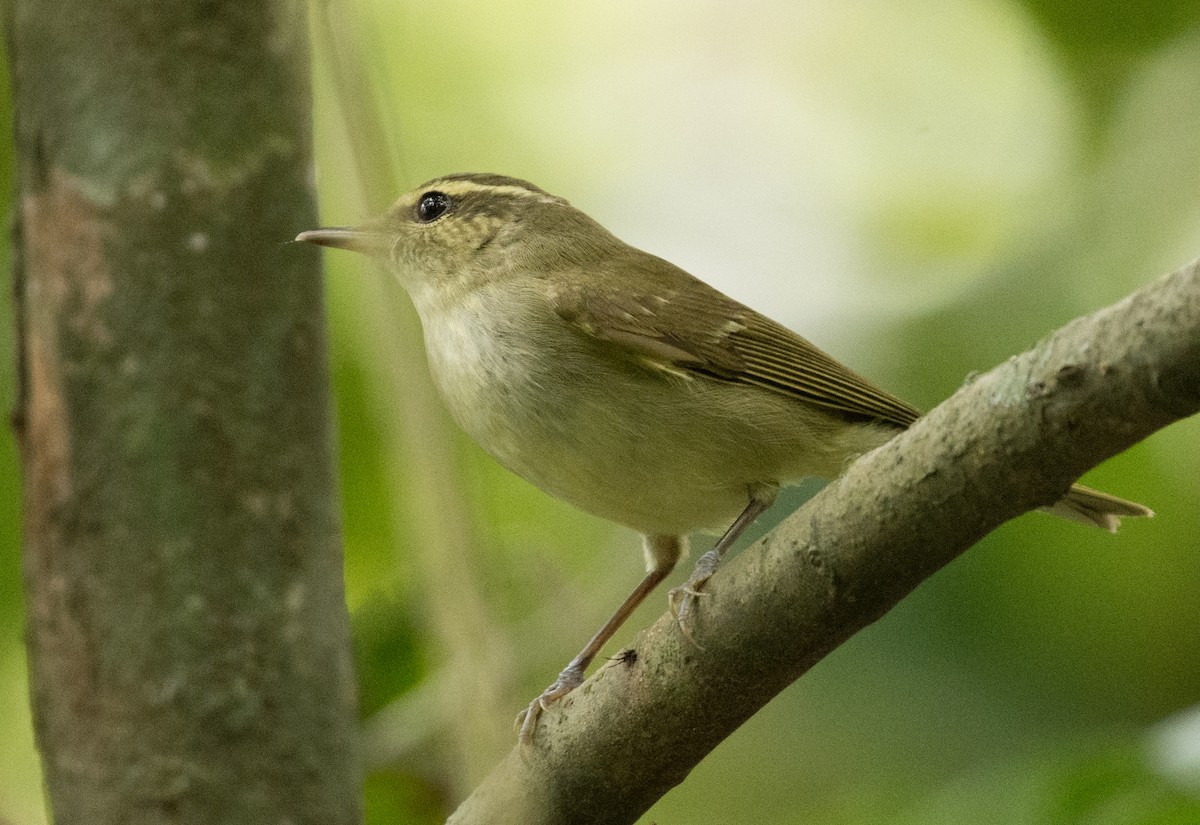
(1104, 785)
(1105, 41)
(388, 653)
(394, 797)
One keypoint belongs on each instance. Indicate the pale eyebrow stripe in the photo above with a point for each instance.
(460, 187)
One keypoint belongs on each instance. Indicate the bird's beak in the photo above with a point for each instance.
(357, 239)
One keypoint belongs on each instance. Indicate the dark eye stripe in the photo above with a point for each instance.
(432, 206)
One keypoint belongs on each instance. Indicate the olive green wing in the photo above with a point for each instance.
(693, 330)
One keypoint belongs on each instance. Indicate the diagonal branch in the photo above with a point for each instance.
(1012, 440)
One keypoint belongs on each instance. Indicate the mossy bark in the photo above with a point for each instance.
(187, 629)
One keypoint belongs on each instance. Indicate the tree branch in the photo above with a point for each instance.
(1010, 441)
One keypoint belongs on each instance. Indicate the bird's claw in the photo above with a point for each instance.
(682, 601)
(684, 598)
(527, 720)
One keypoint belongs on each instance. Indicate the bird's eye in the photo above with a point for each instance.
(432, 206)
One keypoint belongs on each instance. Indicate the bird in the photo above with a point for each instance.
(616, 381)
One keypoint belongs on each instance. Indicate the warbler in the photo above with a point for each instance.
(614, 380)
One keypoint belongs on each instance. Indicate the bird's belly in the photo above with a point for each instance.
(659, 453)
(622, 474)
(635, 482)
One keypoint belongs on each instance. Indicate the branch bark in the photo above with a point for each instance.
(1012, 440)
(188, 636)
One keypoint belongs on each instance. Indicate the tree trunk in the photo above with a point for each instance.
(188, 637)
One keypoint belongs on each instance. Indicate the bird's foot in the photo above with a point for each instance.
(527, 720)
(684, 598)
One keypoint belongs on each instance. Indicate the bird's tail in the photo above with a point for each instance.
(1088, 506)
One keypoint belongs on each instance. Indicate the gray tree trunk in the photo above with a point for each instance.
(188, 636)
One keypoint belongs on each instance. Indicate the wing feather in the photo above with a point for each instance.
(692, 329)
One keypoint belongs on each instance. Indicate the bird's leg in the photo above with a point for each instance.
(661, 554)
(683, 599)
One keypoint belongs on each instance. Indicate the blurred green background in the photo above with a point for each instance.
(923, 189)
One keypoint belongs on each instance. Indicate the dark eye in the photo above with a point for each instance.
(431, 206)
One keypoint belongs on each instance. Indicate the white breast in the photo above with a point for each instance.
(659, 453)
(487, 371)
